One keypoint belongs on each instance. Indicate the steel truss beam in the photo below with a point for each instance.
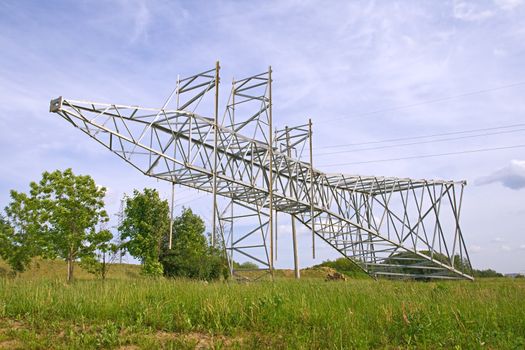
(393, 227)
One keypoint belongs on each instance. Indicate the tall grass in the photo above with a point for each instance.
(283, 314)
(57, 269)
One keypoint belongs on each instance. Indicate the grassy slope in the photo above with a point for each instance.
(56, 269)
(143, 313)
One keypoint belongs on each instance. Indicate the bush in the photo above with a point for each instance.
(191, 255)
(247, 265)
(486, 273)
(207, 266)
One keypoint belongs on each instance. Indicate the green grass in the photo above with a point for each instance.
(312, 314)
(56, 269)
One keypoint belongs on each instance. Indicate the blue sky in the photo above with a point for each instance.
(362, 70)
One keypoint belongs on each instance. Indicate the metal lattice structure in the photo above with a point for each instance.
(393, 227)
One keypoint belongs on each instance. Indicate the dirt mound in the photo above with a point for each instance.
(325, 272)
(335, 276)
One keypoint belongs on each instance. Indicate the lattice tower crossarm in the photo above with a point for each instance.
(394, 227)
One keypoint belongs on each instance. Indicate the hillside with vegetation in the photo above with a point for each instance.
(61, 288)
(39, 309)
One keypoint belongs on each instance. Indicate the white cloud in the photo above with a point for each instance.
(500, 52)
(141, 21)
(522, 246)
(505, 248)
(470, 11)
(511, 176)
(141, 17)
(508, 4)
(475, 249)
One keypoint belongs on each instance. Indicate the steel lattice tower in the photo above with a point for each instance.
(394, 227)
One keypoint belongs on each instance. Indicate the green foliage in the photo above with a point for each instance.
(46, 269)
(10, 247)
(152, 268)
(100, 261)
(191, 256)
(344, 266)
(188, 233)
(146, 222)
(5, 232)
(486, 273)
(462, 265)
(247, 265)
(20, 231)
(56, 219)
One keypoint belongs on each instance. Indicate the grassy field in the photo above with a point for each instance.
(131, 312)
(56, 270)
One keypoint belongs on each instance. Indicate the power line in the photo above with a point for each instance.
(419, 142)
(189, 194)
(191, 200)
(436, 100)
(426, 156)
(423, 136)
(183, 193)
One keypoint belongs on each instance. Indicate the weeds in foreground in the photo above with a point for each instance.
(283, 314)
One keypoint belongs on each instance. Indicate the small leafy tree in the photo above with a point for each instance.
(19, 231)
(462, 264)
(106, 253)
(6, 234)
(146, 221)
(191, 256)
(57, 219)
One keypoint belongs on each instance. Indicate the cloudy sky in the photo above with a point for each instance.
(364, 71)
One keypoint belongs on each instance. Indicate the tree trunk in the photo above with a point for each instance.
(103, 266)
(70, 266)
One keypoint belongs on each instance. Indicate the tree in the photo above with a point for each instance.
(19, 231)
(57, 219)
(191, 255)
(146, 221)
(6, 235)
(486, 273)
(107, 252)
(5, 232)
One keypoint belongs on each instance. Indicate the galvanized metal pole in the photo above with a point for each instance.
(170, 244)
(171, 214)
(178, 91)
(120, 220)
(295, 253)
(276, 232)
(215, 155)
(312, 220)
(276, 217)
(232, 271)
(294, 233)
(270, 170)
